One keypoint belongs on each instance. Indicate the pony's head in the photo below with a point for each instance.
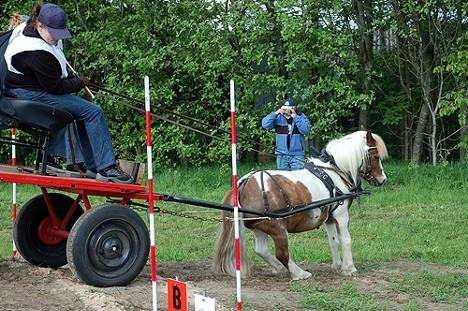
(360, 154)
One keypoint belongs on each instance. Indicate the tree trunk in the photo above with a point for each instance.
(365, 52)
(416, 153)
(405, 137)
(405, 81)
(422, 61)
(463, 136)
(277, 41)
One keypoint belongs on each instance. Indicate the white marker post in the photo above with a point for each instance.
(149, 154)
(235, 195)
(13, 204)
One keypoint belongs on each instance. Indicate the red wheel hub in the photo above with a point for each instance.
(47, 231)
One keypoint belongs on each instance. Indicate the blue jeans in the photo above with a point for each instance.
(286, 162)
(60, 145)
(93, 133)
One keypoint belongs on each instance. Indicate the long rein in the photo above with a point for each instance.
(182, 116)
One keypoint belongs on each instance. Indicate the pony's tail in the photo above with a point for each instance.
(225, 259)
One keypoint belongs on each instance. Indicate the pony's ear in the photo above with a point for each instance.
(370, 139)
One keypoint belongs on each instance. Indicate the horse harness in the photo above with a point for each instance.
(319, 172)
(264, 192)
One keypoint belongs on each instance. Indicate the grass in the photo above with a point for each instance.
(344, 297)
(419, 216)
(437, 286)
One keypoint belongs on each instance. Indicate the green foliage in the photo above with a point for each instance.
(191, 49)
(456, 63)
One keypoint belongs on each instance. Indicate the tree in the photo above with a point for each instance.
(398, 67)
(426, 32)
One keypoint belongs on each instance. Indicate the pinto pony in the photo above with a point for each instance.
(357, 155)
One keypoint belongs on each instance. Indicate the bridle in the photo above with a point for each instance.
(366, 173)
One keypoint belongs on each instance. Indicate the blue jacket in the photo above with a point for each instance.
(300, 126)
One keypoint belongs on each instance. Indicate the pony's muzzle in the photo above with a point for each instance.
(379, 181)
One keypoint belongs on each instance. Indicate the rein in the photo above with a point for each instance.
(182, 116)
(352, 186)
(366, 173)
(345, 177)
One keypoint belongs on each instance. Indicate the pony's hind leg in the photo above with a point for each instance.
(334, 242)
(282, 260)
(296, 272)
(282, 253)
(261, 248)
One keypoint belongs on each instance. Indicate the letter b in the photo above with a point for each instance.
(176, 301)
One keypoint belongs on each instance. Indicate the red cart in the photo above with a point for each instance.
(107, 246)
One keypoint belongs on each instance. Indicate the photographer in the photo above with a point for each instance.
(290, 125)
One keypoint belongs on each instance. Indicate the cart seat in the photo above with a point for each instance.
(34, 117)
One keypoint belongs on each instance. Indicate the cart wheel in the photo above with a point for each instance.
(108, 246)
(32, 230)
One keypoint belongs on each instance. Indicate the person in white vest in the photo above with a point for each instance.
(37, 70)
(61, 148)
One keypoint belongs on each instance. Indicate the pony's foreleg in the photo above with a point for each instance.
(334, 243)
(347, 267)
(261, 248)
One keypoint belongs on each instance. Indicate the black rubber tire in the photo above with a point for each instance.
(108, 246)
(26, 230)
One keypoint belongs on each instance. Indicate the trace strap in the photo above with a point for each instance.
(266, 204)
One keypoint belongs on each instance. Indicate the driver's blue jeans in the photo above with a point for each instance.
(61, 147)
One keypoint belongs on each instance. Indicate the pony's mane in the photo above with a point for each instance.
(351, 150)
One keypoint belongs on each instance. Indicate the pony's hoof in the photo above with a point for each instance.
(280, 270)
(349, 272)
(336, 268)
(301, 276)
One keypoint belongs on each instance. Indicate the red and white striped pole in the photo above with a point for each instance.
(13, 204)
(235, 196)
(149, 154)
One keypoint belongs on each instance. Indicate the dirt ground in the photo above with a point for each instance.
(25, 287)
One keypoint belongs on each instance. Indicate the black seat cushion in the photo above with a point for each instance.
(32, 116)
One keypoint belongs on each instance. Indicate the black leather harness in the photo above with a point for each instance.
(324, 177)
(264, 192)
(318, 171)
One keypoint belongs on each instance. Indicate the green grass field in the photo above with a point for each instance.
(420, 216)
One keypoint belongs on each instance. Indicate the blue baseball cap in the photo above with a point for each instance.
(289, 103)
(55, 19)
